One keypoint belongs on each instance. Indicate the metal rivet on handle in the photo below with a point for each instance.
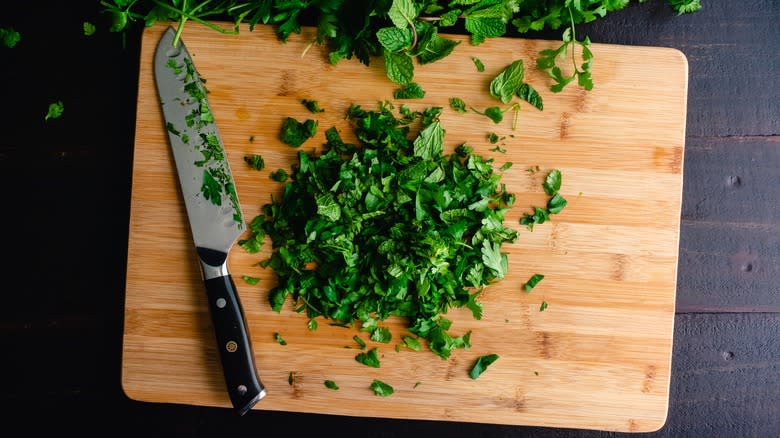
(231, 346)
(241, 389)
(221, 303)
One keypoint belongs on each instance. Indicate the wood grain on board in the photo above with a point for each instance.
(599, 357)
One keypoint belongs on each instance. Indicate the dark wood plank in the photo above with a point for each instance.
(724, 383)
(732, 56)
(730, 233)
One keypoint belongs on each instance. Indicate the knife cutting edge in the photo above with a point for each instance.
(212, 207)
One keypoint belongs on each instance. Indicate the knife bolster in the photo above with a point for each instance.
(213, 263)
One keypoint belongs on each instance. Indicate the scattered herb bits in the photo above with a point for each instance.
(482, 363)
(532, 282)
(381, 388)
(250, 280)
(295, 133)
(458, 104)
(371, 358)
(330, 384)
(409, 91)
(359, 341)
(9, 37)
(312, 105)
(279, 339)
(543, 306)
(55, 110)
(255, 161)
(312, 325)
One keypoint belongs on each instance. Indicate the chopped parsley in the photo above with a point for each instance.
(255, 161)
(89, 28)
(359, 341)
(55, 110)
(394, 228)
(312, 105)
(295, 133)
(279, 339)
(371, 358)
(279, 175)
(330, 384)
(381, 388)
(543, 306)
(9, 37)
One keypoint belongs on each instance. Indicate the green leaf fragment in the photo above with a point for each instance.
(251, 280)
(295, 133)
(9, 37)
(89, 28)
(55, 110)
(330, 384)
(370, 358)
(458, 105)
(543, 306)
(532, 282)
(507, 83)
(409, 91)
(279, 339)
(381, 388)
(482, 363)
(478, 64)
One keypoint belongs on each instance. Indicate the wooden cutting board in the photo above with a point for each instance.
(599, 357)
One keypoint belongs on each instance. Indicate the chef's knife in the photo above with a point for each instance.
(212, 209)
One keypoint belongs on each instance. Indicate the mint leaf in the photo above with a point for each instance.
(530, 95)
(430, 143)
(398, 67)
(484, 27)
(553, 182)
(436, 49)
(402, 12)
(508, 82)
(556, 203)
(394, 39)
(458, 104)
(482, 363)
(411, 90)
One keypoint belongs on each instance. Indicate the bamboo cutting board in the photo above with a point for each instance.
(599, 357)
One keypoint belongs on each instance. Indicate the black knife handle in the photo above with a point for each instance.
(235, 348)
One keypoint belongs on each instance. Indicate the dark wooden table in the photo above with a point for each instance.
(66, 191)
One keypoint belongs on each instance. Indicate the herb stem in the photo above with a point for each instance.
(184, 16)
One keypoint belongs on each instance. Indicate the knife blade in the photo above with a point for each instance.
(213, 210)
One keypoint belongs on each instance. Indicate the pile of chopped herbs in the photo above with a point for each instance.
(389, 227)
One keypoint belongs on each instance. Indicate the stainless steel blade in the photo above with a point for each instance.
(212, 208)
(201, 162)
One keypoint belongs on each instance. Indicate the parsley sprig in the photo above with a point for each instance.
(403, 32)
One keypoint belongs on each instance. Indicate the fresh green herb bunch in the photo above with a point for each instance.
(390, 228)
(397, 30)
